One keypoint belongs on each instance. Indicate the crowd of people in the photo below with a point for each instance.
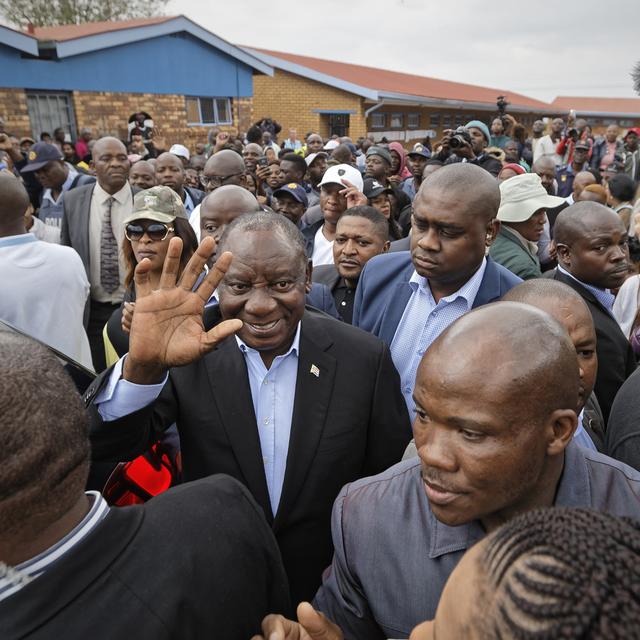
(332, 388)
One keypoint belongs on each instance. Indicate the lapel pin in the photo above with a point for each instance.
(315, 371)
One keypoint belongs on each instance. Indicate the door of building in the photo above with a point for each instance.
(338, 124)
(49, 110)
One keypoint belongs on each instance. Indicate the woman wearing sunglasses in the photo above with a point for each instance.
(158, 215)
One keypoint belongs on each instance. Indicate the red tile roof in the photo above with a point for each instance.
(72, 31)
(598, 105)
(395, 82)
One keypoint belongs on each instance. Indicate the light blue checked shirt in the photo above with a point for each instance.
(423, 321)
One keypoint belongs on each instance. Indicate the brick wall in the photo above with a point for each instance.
(13, 110)
(291, 100)
(108, 113)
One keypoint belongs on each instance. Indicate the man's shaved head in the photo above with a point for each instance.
(545, 162)
(14, 201)
(544, 293)
(230, 198)
(583, 179)
(224, 163)
(579, 219)
(537, 369)
(106, 141)
(468, 184)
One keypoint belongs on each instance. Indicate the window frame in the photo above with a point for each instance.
(214, 105)
(375, 116)
(414, 114)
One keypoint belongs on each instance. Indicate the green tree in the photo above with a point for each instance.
(45, 13)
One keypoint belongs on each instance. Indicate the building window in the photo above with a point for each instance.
(396, 121)
(625, 123)
(378, 120)
(458, 120)
(50, 110)
(413, 120)
(446, 120)
(434, 119)
(209, 111)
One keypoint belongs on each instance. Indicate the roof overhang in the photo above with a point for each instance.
(601, 114)
(19, 41)
(424, 101)
(119, 37)
(312, 74)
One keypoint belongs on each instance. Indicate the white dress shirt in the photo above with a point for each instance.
(43, 292)
(322, 249)
(121, 207)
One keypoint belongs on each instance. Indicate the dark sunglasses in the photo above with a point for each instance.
(156, 231)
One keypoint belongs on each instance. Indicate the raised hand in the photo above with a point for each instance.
(352, 195)
(167, 329)
(312, 625)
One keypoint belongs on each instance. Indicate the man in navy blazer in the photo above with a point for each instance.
(408, 298)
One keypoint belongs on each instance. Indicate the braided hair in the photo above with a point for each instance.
(564, 574)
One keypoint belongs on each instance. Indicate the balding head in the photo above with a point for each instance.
(566, 306)
(221, 207)
(225, 167)
(14, 202)
(142, 174)
(537, 369)
(491, 439)
(582, 180)
(545, 168)
(592, 244)
(468, 185)
(111, 163)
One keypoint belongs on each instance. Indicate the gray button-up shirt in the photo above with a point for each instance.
(392, 557)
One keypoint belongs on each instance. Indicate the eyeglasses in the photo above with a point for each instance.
(216, 181)
(156, 231)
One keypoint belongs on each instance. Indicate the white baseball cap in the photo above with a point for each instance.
(332, 144)
(340, 172)
(312, 156)
(521, 196)
(180, 150)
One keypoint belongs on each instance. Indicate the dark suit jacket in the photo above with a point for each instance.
(616, 361)
(384, 291)
(196, 195)
(326, 274)
(309, 235)
(74, 231)
(348, 422)
(196, 562)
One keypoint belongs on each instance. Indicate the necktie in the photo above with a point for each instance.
(109, 273)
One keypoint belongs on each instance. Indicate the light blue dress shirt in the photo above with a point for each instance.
(272, 392)
(603, 296)
(423, 321)
(273, 395)
(188, 202)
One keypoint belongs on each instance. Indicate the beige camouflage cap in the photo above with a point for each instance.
(161, 204)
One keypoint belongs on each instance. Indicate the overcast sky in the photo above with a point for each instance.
(539, 48)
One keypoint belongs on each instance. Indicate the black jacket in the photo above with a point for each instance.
(616, 361)
(623, 431)
(196, 195)
(196, 562)
(349, 421)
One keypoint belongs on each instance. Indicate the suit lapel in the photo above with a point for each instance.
(489, 287)
(83, 214)
(395, 307)
(229, 381)
(312, 398)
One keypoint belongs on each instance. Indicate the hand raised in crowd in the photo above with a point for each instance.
(167, 328)
(352, 195)
(127, 316)
(262, 173)
(395, 181)
(312, 625)
(221, 140)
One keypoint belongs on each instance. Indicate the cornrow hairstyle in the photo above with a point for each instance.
(563, 573)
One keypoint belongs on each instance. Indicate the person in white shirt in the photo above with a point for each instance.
(546, 146)
(44, 287)
(340, 188)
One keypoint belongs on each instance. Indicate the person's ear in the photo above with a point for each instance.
(386, 246)
(564, 253)
(308, 274)
(491, 231)
(562, 425)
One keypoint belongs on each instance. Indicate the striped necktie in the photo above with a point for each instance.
(109, 272)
